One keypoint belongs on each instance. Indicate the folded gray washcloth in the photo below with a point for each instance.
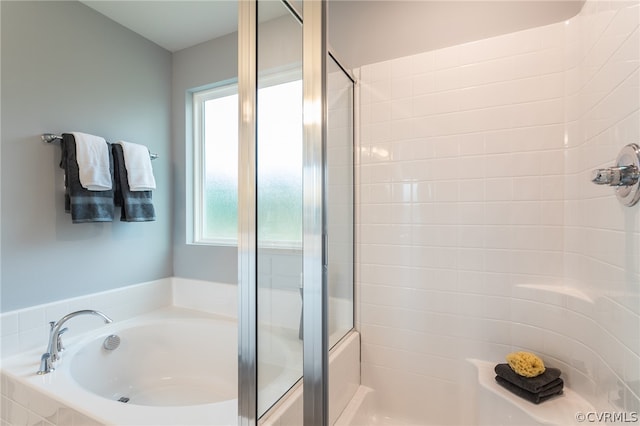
(83, 204)
(535, 397)
(536, 384)
(136, 206)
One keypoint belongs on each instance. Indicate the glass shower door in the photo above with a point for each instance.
(279, 201)
(296, 210)
(339, 201)
(270, 205)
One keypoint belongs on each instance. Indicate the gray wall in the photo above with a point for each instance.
(205, 64)
(365, 32)
(67, 68)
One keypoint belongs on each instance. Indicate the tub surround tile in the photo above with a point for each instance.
(14, 413)
(32, 412)
(28, 329)
(210, 297)
(46, 408)
(29, 319)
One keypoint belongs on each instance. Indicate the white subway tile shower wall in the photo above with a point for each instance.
(602, 237)
(461, 199)
(475, 202)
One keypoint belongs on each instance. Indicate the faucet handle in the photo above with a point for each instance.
(45, 364)
(59, 344)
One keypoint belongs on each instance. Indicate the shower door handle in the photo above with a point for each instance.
(325, 251)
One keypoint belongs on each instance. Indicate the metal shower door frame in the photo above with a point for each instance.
(315, 343)
(247, 214)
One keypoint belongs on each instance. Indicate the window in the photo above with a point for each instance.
(279, 168)
(215, 113)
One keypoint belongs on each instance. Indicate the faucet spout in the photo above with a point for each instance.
(54, 345)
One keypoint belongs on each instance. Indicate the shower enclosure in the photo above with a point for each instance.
(295, 205)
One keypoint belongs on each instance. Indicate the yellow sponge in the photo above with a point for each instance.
(525, 364)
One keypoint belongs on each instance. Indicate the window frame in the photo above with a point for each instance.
(199, 97)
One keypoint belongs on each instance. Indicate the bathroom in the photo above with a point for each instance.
(477, 230)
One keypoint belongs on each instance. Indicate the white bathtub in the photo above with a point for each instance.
(174, 367)
(156, 364)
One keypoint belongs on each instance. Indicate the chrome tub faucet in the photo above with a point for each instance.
(55, 346)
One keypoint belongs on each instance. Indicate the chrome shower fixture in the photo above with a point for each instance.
(624, 176)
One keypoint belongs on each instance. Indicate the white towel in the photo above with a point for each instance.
(92, 155)
(138, 164)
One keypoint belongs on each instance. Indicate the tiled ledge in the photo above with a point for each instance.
(557, 411)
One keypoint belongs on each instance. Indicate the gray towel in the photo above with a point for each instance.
(136, 206)
(84, 205)
(536, 397)
(544, 381)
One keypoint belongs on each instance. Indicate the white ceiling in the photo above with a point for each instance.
(173, 25)
(362, 31)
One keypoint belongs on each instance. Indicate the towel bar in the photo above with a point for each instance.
(50, 138)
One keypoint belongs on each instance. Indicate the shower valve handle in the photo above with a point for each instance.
(624, 176)
(616, 176)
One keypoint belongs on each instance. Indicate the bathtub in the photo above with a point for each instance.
(172, 367)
